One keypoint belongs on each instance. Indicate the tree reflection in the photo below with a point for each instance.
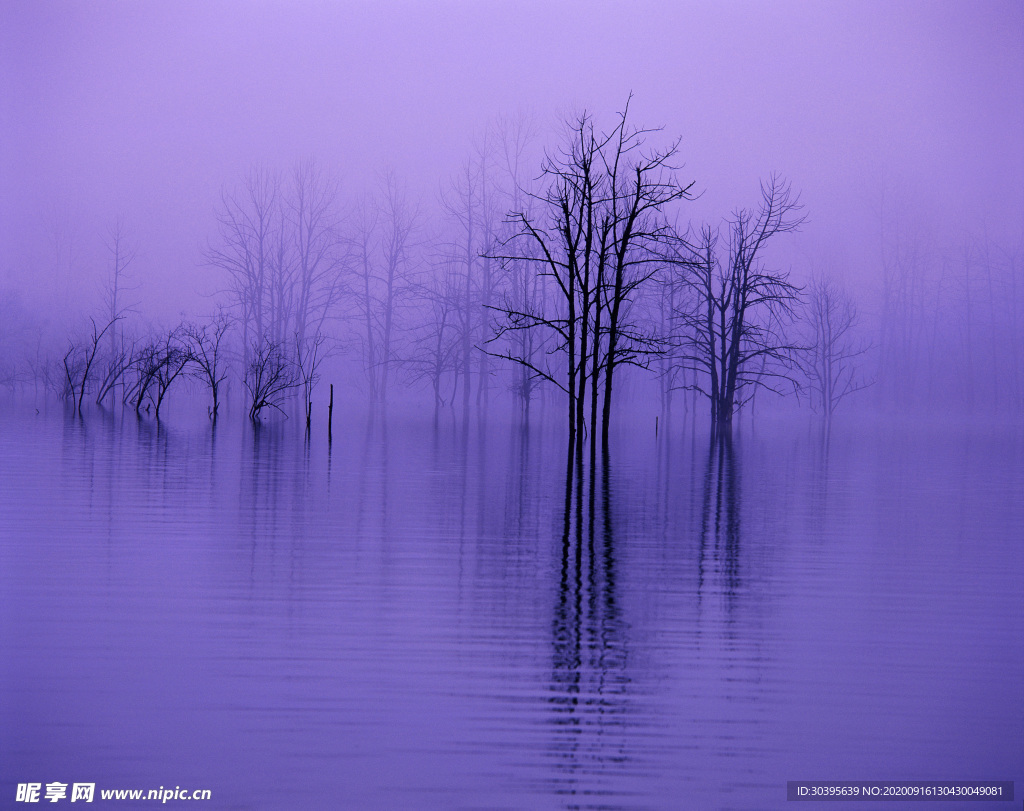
(590, 683)
(719, 556)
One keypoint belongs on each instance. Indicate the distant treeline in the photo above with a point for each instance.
(555, 270)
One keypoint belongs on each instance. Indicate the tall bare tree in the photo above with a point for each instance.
(248, 223)
(282, 249)
(833, 352)
(521, 287)
(318, 250)
(463, 206)
(596, 234)
(121, 252)
(435, 353)
(384, 261)
(732, 331)
(913, 291)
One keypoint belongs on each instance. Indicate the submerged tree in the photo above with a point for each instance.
(732, 330)
(116, 361)
(155, 365)
(280, 246)
(596, 235)
(384, 263)
(117, 366)
(317, 253)
(79, 364)
(142, 371)
(122, 253)
(247, 222)
(832, 353)
(522, 288)
(309, 354)
(170, 360)
(206, 348)
(473, 207)
(662, 302)
(269, 376)
(434, 354)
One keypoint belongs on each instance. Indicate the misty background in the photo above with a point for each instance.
(899, 124)
(276, 206)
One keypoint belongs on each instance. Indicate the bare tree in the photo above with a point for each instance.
(207, 352)
(474, 206)
(522, 288)
(268, 378)
(596, 235)
(21, 338)
(462, 204)
(122, 253)
(117, 366)
(319, 258)
(732, 331)
(79, 362)
(309, 354)
(662, 303)
(145, 362)
(912, 302)
(154, 366)
(248, 223)
(435, 353)
(171, 360)
(457, 310)
(281, 246)
(384, 262)
(831, 355)
(365, 290)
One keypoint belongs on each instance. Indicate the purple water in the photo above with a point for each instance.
(411, 620)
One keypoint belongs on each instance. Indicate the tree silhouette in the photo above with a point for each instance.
(732, 331)
(596, 234)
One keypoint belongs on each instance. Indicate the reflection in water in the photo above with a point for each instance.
(454, 620)
(262, 483)
(719, 555)
(590, 681)
(373, 494)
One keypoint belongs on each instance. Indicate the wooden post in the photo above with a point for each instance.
(330, 416)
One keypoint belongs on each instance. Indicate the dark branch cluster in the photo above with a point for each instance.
(595, 233)
(732, 330)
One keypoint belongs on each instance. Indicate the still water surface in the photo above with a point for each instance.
(414, 620)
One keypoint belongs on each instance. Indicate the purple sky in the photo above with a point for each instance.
(145, 110)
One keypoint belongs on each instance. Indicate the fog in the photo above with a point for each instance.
(144, 112)
(898, 124)
(533, 405)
